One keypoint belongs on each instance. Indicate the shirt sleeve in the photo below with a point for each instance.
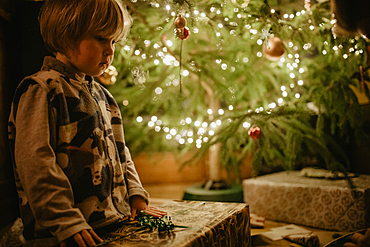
(134, 185)
(47, 188)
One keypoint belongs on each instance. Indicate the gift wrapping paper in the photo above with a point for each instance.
(321, 203)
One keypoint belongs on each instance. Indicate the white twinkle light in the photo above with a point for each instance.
(246, 125)
(169, 43)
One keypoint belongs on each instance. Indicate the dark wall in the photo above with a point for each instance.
(21, 54)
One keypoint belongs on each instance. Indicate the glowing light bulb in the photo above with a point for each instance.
(246, 125)
(158, 90)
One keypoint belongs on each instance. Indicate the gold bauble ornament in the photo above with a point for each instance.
(109, 76)
(180, 22)
(274, 49)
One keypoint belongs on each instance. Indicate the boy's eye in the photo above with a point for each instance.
(103, 40)
(100, 39)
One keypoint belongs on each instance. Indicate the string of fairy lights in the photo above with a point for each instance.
(196, 131)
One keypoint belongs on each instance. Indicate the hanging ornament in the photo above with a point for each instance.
(180, 22)
(274, 49)
(109, 76)
(307, 5)
(183, 33)
(254, 132)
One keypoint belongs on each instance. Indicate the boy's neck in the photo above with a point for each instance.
(64, 59)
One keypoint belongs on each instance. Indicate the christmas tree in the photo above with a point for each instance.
(238, 77)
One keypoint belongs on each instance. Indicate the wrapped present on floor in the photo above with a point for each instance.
(322, 203)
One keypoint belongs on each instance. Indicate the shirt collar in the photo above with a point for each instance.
(51, 63)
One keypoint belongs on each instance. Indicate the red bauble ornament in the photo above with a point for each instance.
(254, 132)
(180, 22)
(183, 33)
(274, 49)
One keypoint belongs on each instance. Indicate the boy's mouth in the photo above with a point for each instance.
(105, 64)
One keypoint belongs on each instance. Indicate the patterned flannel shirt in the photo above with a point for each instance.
(73, 170)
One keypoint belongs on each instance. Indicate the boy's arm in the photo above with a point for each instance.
(134, 185)
(45, 185)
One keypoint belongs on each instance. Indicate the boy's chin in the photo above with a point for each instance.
(96, 74)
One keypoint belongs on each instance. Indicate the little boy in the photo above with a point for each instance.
(352, 18)
(73, 170)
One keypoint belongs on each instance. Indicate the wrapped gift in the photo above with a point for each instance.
(322, 203)
(197, 224)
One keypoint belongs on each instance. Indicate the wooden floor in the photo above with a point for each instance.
(176, 191)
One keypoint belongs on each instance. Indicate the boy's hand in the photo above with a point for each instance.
(84, 238)
(360, 240)
(139, 204)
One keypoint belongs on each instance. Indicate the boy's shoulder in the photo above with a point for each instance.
(45, 78)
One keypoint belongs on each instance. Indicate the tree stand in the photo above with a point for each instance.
(217, 191)
(214, 189)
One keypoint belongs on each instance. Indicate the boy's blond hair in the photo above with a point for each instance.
(352, 17)
(63, 23)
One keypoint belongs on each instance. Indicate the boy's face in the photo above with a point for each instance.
(92, 56)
